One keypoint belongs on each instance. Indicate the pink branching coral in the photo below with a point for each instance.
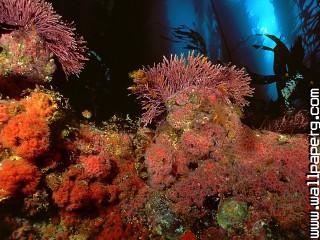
(155, 85)
(59, 37)
(289, 123)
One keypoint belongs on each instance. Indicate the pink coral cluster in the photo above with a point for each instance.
(212, 155)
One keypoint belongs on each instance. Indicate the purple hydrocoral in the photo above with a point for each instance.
(155, 85)
(58, 36)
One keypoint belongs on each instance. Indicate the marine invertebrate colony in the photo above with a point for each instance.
(26, 135)
(59, 37)
(155, 85)
(18, 177)
(201, 174)
(24, 54)
(217, 171)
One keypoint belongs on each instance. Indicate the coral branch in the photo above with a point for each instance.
(155, 85)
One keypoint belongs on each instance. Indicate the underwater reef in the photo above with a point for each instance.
(188, 169)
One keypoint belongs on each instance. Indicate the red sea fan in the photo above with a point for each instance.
(155, 85)
(59, 37)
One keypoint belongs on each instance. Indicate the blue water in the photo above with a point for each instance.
(240, 22)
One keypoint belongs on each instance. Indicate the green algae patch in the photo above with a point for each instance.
(231, 214)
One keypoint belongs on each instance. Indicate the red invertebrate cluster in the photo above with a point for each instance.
(212, 155)
(24, 54)
(58, 37)
(197, 145)
(115, 229)
(157, 184)
(77, 192)
(26, 136)
(96, 166)
(159, 162)
(18, 177)
(41, 104)
(25, 127)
